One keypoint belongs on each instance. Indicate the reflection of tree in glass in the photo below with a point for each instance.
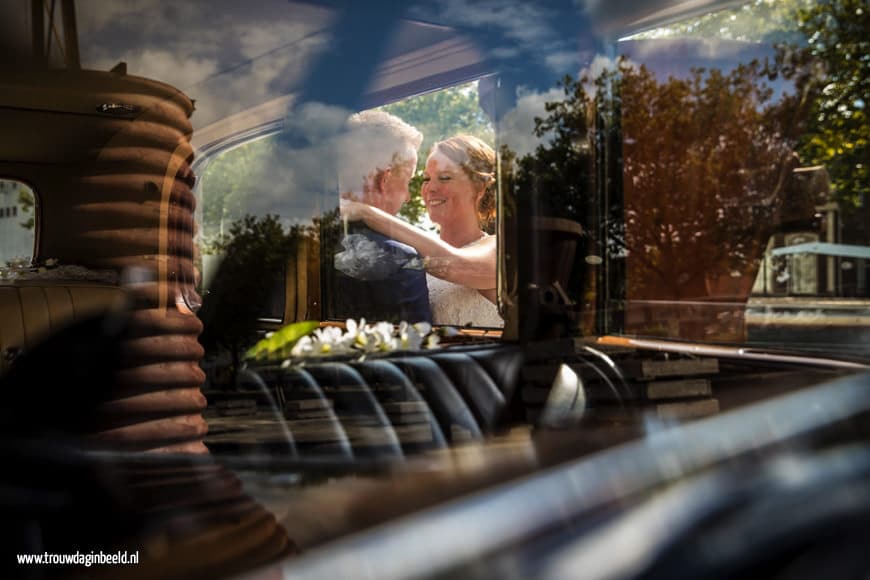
(707, 165)
(228, 181)
(822, 47)
(560, 171)
(707, 162)
(255, 251)
(724, 136)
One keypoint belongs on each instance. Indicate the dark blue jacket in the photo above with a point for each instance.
(396, 290)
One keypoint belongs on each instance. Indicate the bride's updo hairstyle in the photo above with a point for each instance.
(477, 160)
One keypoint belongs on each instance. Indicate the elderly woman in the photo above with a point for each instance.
(459, 193)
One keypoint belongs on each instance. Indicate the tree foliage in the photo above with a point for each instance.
(226, 183)
(833, 70)
(707, 159)
(707, 176)
(561, 168)
(256, 250)
(822, 46)
(706, 171)
(27, 202)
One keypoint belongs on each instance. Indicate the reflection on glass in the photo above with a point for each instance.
(745, 170)
(433, 211)
(707, 152)
(227, 57)
(257, 257)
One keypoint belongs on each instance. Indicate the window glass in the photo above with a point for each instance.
(252, 220)
(743, 182)
(17, 225)
(226, 187)
(655, 185)
(232, 57)
(447, 200)
(258, 180)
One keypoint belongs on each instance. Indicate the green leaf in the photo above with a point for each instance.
(282, 340)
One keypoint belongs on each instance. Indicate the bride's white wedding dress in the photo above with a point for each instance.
(460, 305)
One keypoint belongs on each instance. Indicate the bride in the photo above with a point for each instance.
(459, 194)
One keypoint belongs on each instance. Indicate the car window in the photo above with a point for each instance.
(264, 176)
(757, 235)
(17, 212)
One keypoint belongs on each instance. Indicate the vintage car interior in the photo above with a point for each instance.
(679, 387)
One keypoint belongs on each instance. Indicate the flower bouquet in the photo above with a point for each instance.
(301, 341)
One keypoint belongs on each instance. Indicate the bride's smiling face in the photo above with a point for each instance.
(449, 194)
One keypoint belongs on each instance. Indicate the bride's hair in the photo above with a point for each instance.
(477, 160)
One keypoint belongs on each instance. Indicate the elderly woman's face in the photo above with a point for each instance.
(449, 194)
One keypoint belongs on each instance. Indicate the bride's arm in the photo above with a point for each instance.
(472, 266)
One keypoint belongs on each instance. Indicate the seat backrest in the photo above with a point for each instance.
(399, 403)
(31, 309)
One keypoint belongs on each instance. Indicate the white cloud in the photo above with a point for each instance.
(599, 65)
(516, 129)
(522, 21)
(562, 60)
(527, 23)
(222, 53)
(263, 79)
(163, 65)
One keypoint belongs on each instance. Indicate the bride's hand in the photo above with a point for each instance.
(353, 210)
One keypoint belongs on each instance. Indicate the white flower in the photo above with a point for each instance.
(356, 336)
(382, 335)
(329, 340)
(304, 346)
(366, 338)
(352, 328)
(423, 328)
(411, 336)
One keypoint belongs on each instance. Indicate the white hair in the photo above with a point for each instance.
(374, 141)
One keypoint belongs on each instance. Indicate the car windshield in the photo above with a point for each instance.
(296, 243)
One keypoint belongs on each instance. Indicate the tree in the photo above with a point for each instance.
(561, 170)
(706, 172)
(707, 175)
(228, 181)
(833, 70)
(822, 47)
(27, 202)
(256, 251)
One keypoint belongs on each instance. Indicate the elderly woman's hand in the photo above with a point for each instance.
(353, 210)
